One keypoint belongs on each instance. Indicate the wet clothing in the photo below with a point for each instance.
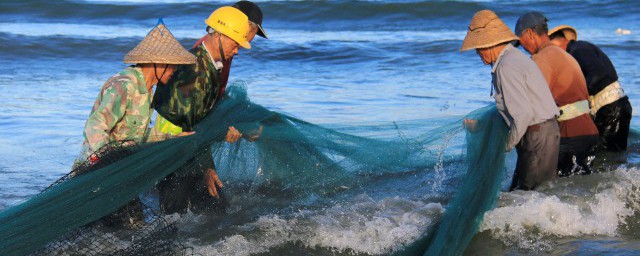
(576, 154)
(186, 189)
(521, 93)
(537, 156)
(613, 119)
(613, 122)
(525, 103)
(568, 86)
(122, 111)
(179, 194)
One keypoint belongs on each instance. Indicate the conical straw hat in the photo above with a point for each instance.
(159, 46)
(486, 30)
(569, 32)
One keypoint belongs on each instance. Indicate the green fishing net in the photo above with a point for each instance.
(290, 162)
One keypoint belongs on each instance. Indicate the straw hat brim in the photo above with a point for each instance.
(479, 40)
(159, 46)
(569, 32)
(486, 30)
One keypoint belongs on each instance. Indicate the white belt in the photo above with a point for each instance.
(573, 110)
(608, 95)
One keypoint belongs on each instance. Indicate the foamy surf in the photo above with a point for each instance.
(595, 205)
(86, 31)
(360, 226)
(98, 31)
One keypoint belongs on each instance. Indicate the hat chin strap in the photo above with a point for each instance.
(155, 71)
(221, 49)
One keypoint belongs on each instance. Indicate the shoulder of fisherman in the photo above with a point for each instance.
(121, 111)
(521, 93)
(191, 92)
(568, 86)
(596, 66)
(563, 74)
(208, 76)
(226, 67)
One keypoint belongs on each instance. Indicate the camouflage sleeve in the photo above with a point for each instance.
(106, 115)
(190, 93)
(173, 100)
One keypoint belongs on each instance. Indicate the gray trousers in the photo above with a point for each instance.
(537, 155)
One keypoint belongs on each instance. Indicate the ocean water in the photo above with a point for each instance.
(343, 64)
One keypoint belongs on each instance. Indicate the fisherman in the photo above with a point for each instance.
(227, 29)
(522, 98)
(254, 13)
(578, 133)
(122, 110)
(610, 107)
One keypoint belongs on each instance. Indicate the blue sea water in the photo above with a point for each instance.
(328, 62)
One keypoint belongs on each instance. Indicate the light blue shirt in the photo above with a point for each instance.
(522, 95)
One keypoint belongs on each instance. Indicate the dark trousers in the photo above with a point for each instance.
(576, 154)
(537, 156)
(131, 215)
(185, 189)
(613, 121)
(179, 194)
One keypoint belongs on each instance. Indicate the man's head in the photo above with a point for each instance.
(227, 47)
(486, 33)
(565, 31)
(532, 29)
(254, 14)
(562, 35)
(161, 51)
(228, 28)
(487, 55)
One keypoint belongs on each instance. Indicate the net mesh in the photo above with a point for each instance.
(291, 160)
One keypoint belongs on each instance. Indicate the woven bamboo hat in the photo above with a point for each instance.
(486, 30)
(569, 32)
(159, 46)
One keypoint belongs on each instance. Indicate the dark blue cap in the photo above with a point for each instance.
(254, 14)
(530, 20)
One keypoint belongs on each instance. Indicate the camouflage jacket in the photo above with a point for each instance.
(122, 111)
(191, 92)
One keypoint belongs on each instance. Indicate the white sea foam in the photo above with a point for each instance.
(93, 31)
(143, 2)
(606, 36)
(568, 208)
(302, 37)
(364, 226)
(86, 31)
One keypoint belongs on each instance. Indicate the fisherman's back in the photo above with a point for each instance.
(567, 85)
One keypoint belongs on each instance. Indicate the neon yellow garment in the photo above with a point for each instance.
(163, 126)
